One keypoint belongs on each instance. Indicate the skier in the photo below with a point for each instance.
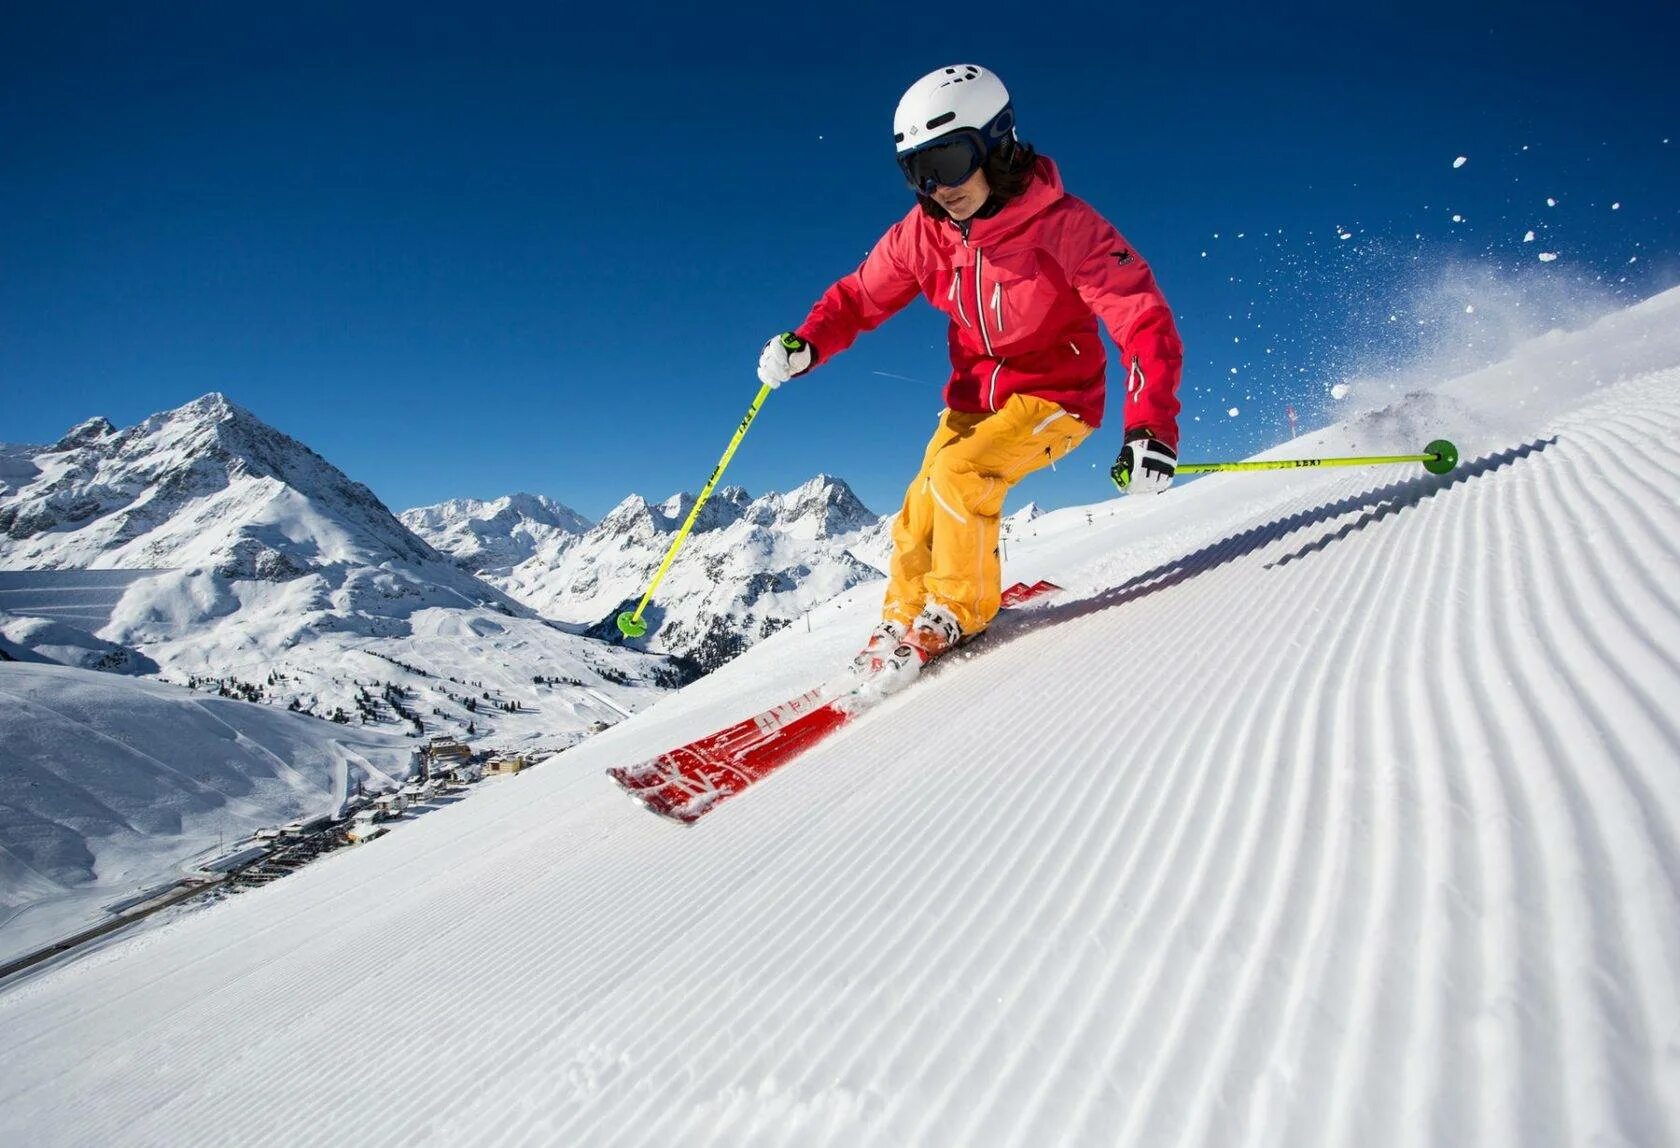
(1025, 271)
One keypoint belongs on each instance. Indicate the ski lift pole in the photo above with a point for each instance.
(630, 622)
(1439, 457)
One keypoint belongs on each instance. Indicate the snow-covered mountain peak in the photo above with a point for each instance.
(678, 505)
(1024, 515)
(727, 505)
(751, 565)
(198, 486)
(630, 519)
(636, 519)
(541, 508)
(210, 419)
(823, 507)
(85, 432)
(537, 508)
(214, 406)
(494, 534)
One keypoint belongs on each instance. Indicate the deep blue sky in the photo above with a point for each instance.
(464, 250)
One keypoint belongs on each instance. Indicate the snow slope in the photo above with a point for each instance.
(1330, 807)
(109, 786)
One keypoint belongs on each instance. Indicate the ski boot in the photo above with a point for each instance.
(874, 655)
(934, 632)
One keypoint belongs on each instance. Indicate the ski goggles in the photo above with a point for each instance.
(951, 159)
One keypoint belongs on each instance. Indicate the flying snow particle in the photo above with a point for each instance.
(1615, 207)
(1461, 161)
(1550, 202)
(1469, 308)
(1528, 237)
(1340, 391)
(1233, 412)
(1548, 256)
(1340, 234)
(1457, 218)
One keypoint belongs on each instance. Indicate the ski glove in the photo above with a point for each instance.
(1145, 464)
(783, 357)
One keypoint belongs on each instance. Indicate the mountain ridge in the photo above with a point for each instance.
(751, 565)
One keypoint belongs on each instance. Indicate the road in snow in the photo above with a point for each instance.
(1333, 807)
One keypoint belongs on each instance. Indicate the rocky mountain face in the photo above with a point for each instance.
(751, 566)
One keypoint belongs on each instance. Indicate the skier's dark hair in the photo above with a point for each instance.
(1008, 171)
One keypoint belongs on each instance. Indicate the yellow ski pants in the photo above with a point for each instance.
(945, 540)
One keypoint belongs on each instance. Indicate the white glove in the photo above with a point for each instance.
(1146, 465)
(783, 357)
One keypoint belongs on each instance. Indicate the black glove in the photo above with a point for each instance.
(1145, 464)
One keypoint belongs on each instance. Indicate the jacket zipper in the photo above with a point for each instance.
(980, 302)
(980, 308)
(956, 296)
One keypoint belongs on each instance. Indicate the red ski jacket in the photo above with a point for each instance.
(1024, 290)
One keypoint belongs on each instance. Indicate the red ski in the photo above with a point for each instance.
(1021, 592)
(686, 782)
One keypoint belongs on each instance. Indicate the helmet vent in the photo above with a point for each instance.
(970, 72)
(940, 121)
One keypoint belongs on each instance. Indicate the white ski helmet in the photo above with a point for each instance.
(949, 100)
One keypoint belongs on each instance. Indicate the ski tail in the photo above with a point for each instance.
(1021, 592)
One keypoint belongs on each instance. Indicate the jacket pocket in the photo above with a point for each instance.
(1020, 298)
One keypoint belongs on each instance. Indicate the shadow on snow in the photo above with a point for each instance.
(1371, 506)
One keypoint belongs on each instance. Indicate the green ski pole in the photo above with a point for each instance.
(1439, 457)
(630, 622)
